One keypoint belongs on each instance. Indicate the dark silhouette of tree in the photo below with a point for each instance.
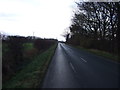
(66, 34)
(95, 25)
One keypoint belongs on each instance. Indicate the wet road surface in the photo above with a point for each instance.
(73, 68)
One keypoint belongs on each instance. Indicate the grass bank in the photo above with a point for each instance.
(101, 53)
(32, 75)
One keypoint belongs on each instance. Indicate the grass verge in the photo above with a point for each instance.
(101, 53)
(32, 75)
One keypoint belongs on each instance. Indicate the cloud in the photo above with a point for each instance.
(47, 18)
(7, 15)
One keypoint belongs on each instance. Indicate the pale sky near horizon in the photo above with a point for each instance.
(46, 18)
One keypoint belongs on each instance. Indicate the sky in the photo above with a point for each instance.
(44, 18)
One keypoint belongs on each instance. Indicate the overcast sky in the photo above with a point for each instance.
(46, 18)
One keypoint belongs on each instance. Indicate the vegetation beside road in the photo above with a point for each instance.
(20, 51)
(95, 26)
(32, 75)
(101, 53)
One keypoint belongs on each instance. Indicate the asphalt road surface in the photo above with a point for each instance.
(73, 68)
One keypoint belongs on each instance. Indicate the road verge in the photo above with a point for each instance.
(32, 75)
(101, 53)
(108, 55)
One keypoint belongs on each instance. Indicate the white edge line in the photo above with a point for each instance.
(83, 59)
(72, 67)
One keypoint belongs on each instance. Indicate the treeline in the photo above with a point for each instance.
(18, 51)
(96, 25)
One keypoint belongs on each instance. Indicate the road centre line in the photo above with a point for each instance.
(83, 59)
(72, 67)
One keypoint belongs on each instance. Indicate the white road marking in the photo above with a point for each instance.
(83, 59)
(72, 67)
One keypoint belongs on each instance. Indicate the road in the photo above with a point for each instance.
(73, 68)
